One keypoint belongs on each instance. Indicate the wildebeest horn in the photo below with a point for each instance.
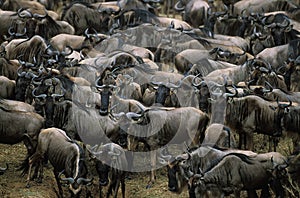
(39, 96)
(39, 16)
(194, 81)
(21, 34)
(178, 6)
(267, 84)
(21, 74)
(103, 86)
(88, 35)
(173, 86)
(184, 156)
(3, 169)
(59, 95)
(84, 180)
(23, 15)
(165, 157)
(115, 152)
(11, 31)
(283, 105)
(132, 115)
(284, 24)
(232, 94)
(68, 179)
(224, 53)
(65, 53)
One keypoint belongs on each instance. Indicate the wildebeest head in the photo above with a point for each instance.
(203, 92)
(109, 156)
(178, 171)
(165, 93)
(75, 184)
(48, 92)
(105, 92)
(25, 72)
(280, 28)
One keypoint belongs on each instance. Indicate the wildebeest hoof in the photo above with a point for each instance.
(27, 185)
(149, 186)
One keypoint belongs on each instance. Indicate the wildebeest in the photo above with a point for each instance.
(111, 166)
(7, 87)
(82, 16)
(250, 114)
(26, 124)
(66, 156)
(236, 172)
(155, 127)
(195, 11)
(205, 158)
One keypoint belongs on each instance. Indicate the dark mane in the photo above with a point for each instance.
(88, 5)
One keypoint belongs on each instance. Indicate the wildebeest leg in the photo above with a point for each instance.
(123, 185)
(41, 172)
(252, 194)
(249, 141)
(277, 188)
(242, 139)
(28, 176)
(38, 172)
(117, 185)
(153, 163)
(100, 191)
(58, 183)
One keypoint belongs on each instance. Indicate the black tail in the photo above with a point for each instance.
(24, 166)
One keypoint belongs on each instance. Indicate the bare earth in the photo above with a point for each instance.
(12, 185)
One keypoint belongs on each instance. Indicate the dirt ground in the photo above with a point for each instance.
(12, 185)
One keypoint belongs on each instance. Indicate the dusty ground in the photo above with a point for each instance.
(12, 185)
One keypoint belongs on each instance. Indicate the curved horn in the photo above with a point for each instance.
(65, 53)
(166, 157)
(283, 105)
(284, 24)
(68, 179)
(59, 95)
(84, 180)
(4, 169)
(21, 74)
(11, 32)
(39, 16)
(23, 15)
(132, 115)
(267, 84)
(224, 53)
(38, 96)
(173, 86)
(232, 94)
(21, 34)
(115, 152)
(194, 81)
(177, 6)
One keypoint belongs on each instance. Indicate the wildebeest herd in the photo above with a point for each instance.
(92, 80)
